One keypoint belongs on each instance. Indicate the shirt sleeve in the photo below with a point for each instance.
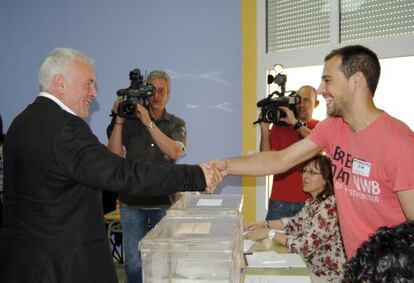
(401, 170)
(179, 133)
(85, 160)
(293, 224)
(322, 224)
(321, 133)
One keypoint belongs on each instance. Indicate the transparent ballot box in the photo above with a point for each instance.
(187, 248)
(220, 203)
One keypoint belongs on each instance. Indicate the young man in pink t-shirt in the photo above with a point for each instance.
(372, 152)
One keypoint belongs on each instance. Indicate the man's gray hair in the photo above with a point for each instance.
(158, 74)
(58, 62)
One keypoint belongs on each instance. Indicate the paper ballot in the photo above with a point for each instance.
(276, 279)
(247, 244)
(272, 259)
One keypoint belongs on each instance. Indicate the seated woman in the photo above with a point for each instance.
(314, 230)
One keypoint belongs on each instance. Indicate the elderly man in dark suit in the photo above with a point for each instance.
(55, 170)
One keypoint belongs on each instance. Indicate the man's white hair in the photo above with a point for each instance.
(58, 62)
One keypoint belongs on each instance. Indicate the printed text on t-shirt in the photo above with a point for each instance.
(362, 188)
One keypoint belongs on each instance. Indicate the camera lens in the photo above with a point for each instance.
(272, 115)
(129, 108)
(126, 109)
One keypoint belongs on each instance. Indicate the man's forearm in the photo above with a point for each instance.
(167, 145)
(272, 162)
(115, 139)
(407, 203)
(258, 164)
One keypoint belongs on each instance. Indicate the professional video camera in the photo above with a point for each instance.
(138, 92)
(270, 111)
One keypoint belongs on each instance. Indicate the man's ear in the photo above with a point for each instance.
(316, 103)
(58, 82)
(358, 79)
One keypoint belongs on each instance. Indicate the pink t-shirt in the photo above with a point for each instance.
(369, 168)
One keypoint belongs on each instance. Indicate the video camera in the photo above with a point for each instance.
(270, 111)
(138, 92)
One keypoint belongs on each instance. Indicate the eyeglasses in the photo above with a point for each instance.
(310, 172)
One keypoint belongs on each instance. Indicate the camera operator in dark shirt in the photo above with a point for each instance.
(153, 135)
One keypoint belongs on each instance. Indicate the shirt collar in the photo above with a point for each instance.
(58, 102)
(165, 116)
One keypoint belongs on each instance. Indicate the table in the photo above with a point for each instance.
(267, 245)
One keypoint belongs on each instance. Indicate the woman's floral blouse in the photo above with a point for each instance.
(314, 232)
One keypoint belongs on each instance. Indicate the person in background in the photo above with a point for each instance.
(287, 196)
(387, 256)
(156, 136)
(314, 230)
(54, 172)
(372, 152)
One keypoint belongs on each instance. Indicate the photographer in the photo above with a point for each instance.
(287, 196)
(154, 135)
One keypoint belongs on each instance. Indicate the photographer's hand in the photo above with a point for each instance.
(143, 114)
(167, 145)
(292, 120)
(290, 116)
(119, 120)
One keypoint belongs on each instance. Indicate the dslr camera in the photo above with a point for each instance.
(270, 111)
(138, 92)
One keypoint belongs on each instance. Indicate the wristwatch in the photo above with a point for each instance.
(271, 235)
(151, 125)
(299, 124)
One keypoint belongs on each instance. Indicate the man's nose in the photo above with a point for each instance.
(93, 91)
(320, 89)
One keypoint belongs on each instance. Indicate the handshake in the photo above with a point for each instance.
(214, 172)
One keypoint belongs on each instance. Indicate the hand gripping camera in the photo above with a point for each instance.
(270, 111)
(138, 92)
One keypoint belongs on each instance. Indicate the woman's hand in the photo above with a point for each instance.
(257, 234)
(255, 225)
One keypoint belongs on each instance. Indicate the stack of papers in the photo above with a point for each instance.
(272, 259)
(276, 279)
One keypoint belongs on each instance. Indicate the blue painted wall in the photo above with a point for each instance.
(197, 42)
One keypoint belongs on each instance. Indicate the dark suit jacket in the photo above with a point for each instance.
(55, 169)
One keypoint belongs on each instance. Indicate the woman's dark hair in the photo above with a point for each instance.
(387, 256)
(323, 163)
